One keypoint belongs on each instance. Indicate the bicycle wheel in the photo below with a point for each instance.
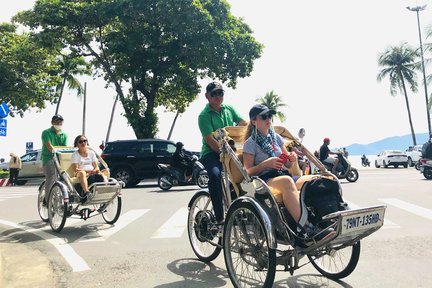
(249, 259)
(339, 263)
(111, 211)
(57, 208)
(41, 203)
(205, 244)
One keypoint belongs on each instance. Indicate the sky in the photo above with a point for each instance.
(319, 56)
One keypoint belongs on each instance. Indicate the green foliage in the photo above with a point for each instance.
(275, 102)
(160, 48)
(4, 174)
(27, 79)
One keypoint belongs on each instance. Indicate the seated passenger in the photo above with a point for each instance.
(261, 152)
(85, 166)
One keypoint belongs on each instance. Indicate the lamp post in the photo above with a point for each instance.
(417, 9)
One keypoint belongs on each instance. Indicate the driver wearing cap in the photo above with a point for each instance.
(53, 136)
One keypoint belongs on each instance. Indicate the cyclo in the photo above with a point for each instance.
(63, 198)
(259, 233)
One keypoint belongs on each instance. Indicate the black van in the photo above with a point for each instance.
(132, 161)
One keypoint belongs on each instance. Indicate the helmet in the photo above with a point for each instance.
(179, 145)
(326, 139)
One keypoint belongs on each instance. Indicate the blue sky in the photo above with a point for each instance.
(319, 56)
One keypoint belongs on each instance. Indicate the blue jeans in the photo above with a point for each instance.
(213, 166)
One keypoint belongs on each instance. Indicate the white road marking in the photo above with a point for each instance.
(76, 262)
(387, 223)
(417, 210)
(174, 227)
(124, 220)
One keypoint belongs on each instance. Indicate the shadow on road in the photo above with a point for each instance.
(196, 274)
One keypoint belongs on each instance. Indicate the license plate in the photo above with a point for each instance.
(362, 221)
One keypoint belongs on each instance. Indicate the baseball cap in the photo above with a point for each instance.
(57, 117)
(214, 86)
(326, 139)
(260, 109)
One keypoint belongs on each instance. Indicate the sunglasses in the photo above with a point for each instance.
(266, 116)
(217, 93)
(82, 141)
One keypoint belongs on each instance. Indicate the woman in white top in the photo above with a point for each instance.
(85, 164)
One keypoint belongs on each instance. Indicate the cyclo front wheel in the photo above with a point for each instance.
(57, 208)
(41, 203)
(111, 211)
(249, 259)
(337, 263)
(205, 243)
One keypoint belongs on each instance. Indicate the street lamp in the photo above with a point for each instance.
(417, 9)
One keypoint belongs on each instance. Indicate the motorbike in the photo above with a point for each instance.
(365, 162)
(170, 176)
(426, 167)
(344, 169)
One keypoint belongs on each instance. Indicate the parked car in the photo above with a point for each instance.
(31, 167)
(414, 154)
(391, 158)
(132, 161)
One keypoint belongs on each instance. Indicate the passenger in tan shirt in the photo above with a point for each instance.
(14, 167)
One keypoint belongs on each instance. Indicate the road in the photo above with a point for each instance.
(149, 247)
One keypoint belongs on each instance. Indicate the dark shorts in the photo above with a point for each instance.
(273, 173)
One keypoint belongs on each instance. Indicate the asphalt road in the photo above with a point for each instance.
(149, 246)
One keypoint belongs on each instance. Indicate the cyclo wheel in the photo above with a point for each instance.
(249, 259)
(57, 208)
(339, 263)
(42, 209)
(202, 179)
(111, 211)
(202, 240)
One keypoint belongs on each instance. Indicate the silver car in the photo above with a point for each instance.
(394, 158)
(31, 167)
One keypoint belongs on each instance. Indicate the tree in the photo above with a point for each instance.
(27, 70)
(69, 66)
(156, 50)
(399, 65)
(273, 101)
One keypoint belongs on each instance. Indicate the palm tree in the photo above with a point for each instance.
(273, 101)
(399, 64)
(69, 66)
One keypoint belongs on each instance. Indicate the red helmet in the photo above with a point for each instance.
(326, 139)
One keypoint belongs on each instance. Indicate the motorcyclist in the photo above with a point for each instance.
(365, 160)
(324, 155)
(182, 160)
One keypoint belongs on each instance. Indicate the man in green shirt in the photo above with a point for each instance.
(51, 137)
(214, 116)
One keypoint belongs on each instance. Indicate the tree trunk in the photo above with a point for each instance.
(60, 97)
(173, 124)
(111, 119)
(408, 109)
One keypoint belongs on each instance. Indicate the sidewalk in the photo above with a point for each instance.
(20, 264)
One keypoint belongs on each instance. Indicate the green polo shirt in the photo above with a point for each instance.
(209, 121)
(56, 140)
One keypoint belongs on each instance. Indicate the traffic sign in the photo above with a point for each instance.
(29, 147)
(3, 127)
(4, 110)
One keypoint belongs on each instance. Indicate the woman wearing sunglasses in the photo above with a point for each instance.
(85, 165)
(265, 156)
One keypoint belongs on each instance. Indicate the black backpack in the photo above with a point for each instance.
(318, 198)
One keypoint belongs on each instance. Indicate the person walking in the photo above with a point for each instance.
(215, 115)
(51, 137)
(14, 167)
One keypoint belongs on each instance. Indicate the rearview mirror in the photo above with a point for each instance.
(301, 133)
